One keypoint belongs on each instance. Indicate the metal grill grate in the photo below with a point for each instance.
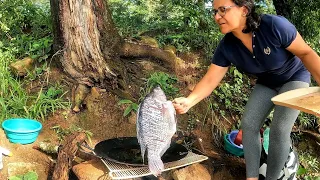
(120, 171)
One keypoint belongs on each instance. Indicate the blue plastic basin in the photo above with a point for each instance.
(22, 131)
(231, 147)
(232, 136)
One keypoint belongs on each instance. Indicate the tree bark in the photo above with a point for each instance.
(57, 33)
(84, 30)
(66, 156)
(89, 47)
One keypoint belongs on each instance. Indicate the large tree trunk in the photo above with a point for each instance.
(89, 47)
(89, 39)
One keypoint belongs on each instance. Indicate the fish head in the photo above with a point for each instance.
(158, 94)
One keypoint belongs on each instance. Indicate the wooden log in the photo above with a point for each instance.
(66, 155)
(226, 159)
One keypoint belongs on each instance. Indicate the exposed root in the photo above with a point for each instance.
(80, 94)
(170, 60)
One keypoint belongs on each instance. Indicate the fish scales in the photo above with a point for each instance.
(156, 125)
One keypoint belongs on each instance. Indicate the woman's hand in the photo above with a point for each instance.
(182, 105)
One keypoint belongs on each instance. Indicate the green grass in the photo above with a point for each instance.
(16, 102)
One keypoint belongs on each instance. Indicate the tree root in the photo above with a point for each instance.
(140, 50)
(80, 94)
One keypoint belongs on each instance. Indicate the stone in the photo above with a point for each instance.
(192, 172)
(91, 170)
(21, 67)
(224, 174)
(21, 168)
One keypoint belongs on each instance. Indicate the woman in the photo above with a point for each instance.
(270, 48)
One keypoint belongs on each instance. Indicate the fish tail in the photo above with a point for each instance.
(156, 165)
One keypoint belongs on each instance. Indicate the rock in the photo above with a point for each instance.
(225, 174)
(91, 170)
(194, 172)
(24, 159)
(21, 168)
(21, 67)
(80, 94)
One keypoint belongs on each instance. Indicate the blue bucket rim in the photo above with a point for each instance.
(21, 119)
(227, 136)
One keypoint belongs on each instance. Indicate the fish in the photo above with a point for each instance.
(156, 124)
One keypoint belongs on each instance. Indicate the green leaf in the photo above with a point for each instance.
(135, 107)
(30, 176)
(301, 171)
(127, 111)
(124, 101)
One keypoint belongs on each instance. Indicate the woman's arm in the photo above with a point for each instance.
(208, 83)
(307, 55)
(203, 89)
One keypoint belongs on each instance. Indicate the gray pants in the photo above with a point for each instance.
(256, 111)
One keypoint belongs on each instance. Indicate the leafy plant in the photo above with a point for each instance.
(47, 102)
(187, 25)
(311, 178)
(16, 102)
(37, 72)
(63, 132)
(310, 165)
(25, 28)
(165, 81)
(131, 106)
(233, 93)
(306, 120)
(265, 7)
(304, 17)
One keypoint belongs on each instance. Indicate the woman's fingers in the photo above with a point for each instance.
(179, 100)
(181, 105)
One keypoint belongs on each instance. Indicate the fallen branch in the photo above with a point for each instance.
(227, 159)
(66, 156)
(313, 135)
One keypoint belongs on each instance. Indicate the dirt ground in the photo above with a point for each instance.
(111, 124)
(103, 117)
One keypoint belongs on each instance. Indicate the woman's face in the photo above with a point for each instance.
(229, 16)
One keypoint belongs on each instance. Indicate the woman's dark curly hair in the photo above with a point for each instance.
(253, 18)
